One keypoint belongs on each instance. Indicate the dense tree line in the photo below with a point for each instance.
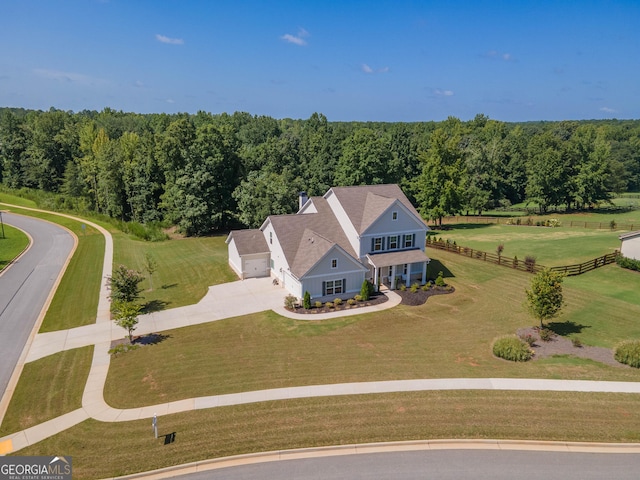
(207, 172)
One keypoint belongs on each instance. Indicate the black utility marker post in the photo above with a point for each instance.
(1, 224)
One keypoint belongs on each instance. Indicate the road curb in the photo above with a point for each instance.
(367, 448)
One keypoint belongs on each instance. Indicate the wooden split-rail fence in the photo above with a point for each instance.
(522, 264)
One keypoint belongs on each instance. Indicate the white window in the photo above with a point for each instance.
(377, 244)
(334, 263)
(333, 287)
(393, 242)
(408, 241)
(394, 215)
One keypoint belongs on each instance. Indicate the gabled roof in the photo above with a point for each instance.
(248, 241)
(629, 235)
(364, 204)
(295, 231)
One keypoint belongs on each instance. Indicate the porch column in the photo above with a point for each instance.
(424, 272)
(392, 282)
(407, 280)
(375, 278)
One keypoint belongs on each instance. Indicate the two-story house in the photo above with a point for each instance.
(336, 241)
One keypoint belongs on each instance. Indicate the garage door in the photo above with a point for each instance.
(255, 268)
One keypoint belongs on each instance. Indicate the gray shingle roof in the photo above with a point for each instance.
(249, 241)
(365, 203)
(295, 231)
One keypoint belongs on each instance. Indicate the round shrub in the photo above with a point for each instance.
(628, 352)
(511, 348)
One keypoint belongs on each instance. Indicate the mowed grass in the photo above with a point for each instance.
(106, 450)
(551, 246)
(48, 388)
(12, 245)
(185, 268)
(266, 350)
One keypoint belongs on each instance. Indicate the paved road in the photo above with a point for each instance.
(25, 286)
(441, 465)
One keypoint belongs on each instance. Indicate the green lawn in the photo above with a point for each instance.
(551, 246)
(48, 388)
(185, 267)
(13, 243)
(107, 450)
(265, 350)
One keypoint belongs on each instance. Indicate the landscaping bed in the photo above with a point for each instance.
(558, 345)
(420, 296)
(375, 299)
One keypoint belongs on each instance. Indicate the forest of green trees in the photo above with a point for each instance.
(207, 172)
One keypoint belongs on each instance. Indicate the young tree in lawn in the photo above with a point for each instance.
(125, 314)
(544, 298)
(150, 266)
(125, 284)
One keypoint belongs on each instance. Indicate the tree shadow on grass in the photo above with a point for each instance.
(154, 306)
(566, 328)
(151, 339)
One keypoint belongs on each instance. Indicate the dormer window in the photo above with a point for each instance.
(270, 238)
(394, 215)
(334, 263)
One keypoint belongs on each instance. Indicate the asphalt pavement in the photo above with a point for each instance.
(25, 286)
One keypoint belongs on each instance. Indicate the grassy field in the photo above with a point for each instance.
(265, 350)
(185, 268)
(13, 243)
(106, 450)
(49, 387)
(550, 246)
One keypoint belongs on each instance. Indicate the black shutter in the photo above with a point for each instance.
(413, 240)
(344, 285)
(372, 240)
(324, 288)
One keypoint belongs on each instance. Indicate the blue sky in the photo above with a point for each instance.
(351, 60)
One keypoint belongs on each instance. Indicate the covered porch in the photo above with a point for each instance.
(393, 267)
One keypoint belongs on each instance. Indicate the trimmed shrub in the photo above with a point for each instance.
(290, 301)
(510, 347)
(328, 305)
(403, 287)
(530, 262)
(351, 302)
(337, 301)
(440, 281)
(318, 304)
(414, 288)
(358, 298)
(426, 287)
(306, 301)
(628, 352)
(528, 338)
(576, 342)
(546, 335)
(629, 263)
(366, 290)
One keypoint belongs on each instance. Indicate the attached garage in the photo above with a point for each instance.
(630, 247)
(249, 255)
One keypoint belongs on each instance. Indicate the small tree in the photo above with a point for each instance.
(365, 290)
(150, 266)
(125, 284)
(544, 298)
(125, 314)
(306, 301)
(499, 250)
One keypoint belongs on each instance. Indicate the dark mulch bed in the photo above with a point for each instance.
(421, 296)
(559, 345)
(375, 299)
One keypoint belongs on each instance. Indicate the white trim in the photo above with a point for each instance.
(334, 273)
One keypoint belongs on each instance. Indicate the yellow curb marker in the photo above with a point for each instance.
(6, 447)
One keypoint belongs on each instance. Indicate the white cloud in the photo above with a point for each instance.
(298, 39)
(138, 84)
(169, 40)
(442, 93)
(69, 77)
(608, 110)
(170, 100)
(369, 71)
(366, 68)
(507, 57)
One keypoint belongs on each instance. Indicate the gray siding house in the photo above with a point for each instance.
(336, 241)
